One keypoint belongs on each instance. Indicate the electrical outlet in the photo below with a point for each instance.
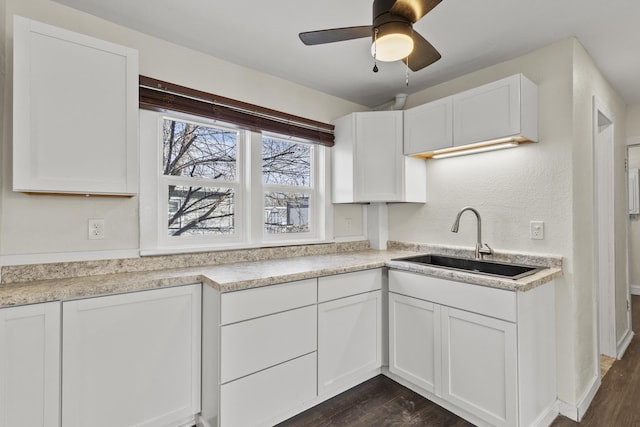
(348, 225)
(96, 229)
(536, 230)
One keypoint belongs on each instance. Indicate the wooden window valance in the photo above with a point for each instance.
(159, 95)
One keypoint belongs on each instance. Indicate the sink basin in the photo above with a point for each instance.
(490, 268)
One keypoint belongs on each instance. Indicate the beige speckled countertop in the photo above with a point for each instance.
(250, 274)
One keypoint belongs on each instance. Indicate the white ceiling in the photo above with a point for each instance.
(470, 35)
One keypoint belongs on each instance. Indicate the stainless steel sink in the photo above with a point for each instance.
(490, 268)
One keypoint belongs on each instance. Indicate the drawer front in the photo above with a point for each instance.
(256, 302)
(269, 396)
(492, 302)
(343, 285)
(256, 344)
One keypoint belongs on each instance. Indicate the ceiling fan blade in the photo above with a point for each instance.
(423, 54)
(335, 35)
(413, 10)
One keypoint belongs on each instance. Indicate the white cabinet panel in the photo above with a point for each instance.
(30, 365)
(342, 285)
(501, 109)
(349, 340)
(494, 302)
(368, 163)
(414, 341)
(250, 303)
(429, 126)
(267, 396)
(479, 365)
(75, 112)
(132, 359)
(247, 347)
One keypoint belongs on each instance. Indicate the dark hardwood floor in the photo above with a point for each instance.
(382, 402)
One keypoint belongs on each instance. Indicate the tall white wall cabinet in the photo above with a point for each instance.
(75, 112)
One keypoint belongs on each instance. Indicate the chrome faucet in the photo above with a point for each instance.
(482, 249)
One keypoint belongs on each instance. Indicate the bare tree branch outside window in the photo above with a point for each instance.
(286, 164)
(208, 156)
(202, 152)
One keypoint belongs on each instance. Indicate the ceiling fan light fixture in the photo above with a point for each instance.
(392, 42)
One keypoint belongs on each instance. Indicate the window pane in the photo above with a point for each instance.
(197, 150)
(286, 213)
(286, 163)
(200, 211)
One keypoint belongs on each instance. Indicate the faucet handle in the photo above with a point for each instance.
(486, 249)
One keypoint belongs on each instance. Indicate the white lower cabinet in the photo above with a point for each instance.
(265, 397)
(479, 365)
(414, 341)
(132, 359)
(349, 341)
(30, 365)
(486, 354)
(268, 360)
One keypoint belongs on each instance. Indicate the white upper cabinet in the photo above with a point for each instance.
(75, 113)
(429, 126)
(507, 108)
(504, 109)
(368, 162)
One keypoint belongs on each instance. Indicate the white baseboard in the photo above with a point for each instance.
(635, 289)
(624, 343)
(577, 411)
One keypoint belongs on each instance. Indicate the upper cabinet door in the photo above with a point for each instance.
(502, 109)
(379, 162)
(429, 126)
(75, 109)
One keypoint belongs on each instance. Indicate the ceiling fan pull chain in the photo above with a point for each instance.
(375, 50)
(406, 75)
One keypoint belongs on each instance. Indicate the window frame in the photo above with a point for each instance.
(248, 199)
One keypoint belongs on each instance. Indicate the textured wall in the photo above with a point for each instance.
(44, 224)
(550, 181)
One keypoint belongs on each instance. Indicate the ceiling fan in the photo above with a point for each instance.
(391, 32)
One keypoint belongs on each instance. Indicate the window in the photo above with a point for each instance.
(207, 185)
(287, 186)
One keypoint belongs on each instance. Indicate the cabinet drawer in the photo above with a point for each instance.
(250, 303)
(492, 302)
(256, 344)
(269, 395)
(343, 285)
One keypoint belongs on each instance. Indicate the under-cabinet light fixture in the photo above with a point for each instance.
(479, 147)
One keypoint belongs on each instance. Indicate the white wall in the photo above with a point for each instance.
(548, 181)
(634, 229)
(48, 224)
(633, 130)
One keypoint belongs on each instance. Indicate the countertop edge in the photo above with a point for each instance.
(247, 275)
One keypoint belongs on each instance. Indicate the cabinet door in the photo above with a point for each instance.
(30, 365)
(479, 365)
(429, 126)
(132, 359)
(349, 340)
(378, 157)
(487, 112)
(414, 341)
(75, 112)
